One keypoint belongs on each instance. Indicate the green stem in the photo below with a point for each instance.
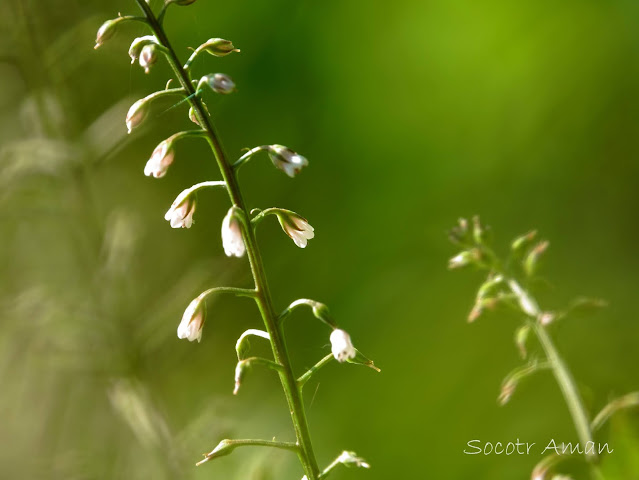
(559, 368)
(304, 378)
(263, 295)
(225, 447)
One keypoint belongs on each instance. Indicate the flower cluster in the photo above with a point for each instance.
(238, 226)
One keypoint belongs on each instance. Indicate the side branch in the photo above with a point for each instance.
(225, 447)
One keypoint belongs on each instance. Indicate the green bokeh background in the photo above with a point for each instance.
(411, 113)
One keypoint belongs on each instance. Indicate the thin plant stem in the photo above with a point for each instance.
(560, 370)
(304, 378)
(263, 296)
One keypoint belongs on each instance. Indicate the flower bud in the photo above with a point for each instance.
(192, 115)
(463, 259)
(523, 242)
(546, 318)
(296, 227)
(138, 44)
(220, 83)
(341, 346)
(161, 159)
(136, 114)
(218, 47)
(193, 320)
(287, 160)
(351, 458)
(507, 390)
(106, 31)
(521, 338)
(232, 234)
(460, 235)
(180, 215)
(148, 56)
(532, 259)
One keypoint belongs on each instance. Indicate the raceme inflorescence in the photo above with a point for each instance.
(508, 284)
(238, 228)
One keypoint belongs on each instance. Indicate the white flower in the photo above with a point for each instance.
(232, 235)
(296, 227)
(136, 114)
(148, 57)
(286, 159)
(221, 83)
(161, 159)
(192, 321)
(341, 346)
(351, 458)
(180, 215)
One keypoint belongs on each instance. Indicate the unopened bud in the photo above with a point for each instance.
(138, 44)
(521, 338)
(218, 47)
(351, 459)
(136, 114)
(220, 83)
(480, 233)
(106, 31)
(480, 306)
(286, 159)
(522, 243)
(148, 56)
(460, 234)
(463, 259)
(532, 259)
(507, 390)
(546, 318)
(192, 115)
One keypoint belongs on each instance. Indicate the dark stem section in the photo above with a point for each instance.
(263, 297)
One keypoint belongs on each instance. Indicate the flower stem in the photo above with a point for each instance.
(559, 368)
(263, 296)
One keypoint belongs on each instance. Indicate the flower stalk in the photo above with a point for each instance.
(262, 294)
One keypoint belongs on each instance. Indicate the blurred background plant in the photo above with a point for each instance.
(526, 112)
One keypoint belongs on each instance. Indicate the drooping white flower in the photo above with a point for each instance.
(351, 458)
(161, 158)
(148, 56)
(193, 320)
(296, 227)
(221, 83)
(232, 235)
(180, 215)
(286, 159)
(341, 346)
(136, 114)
